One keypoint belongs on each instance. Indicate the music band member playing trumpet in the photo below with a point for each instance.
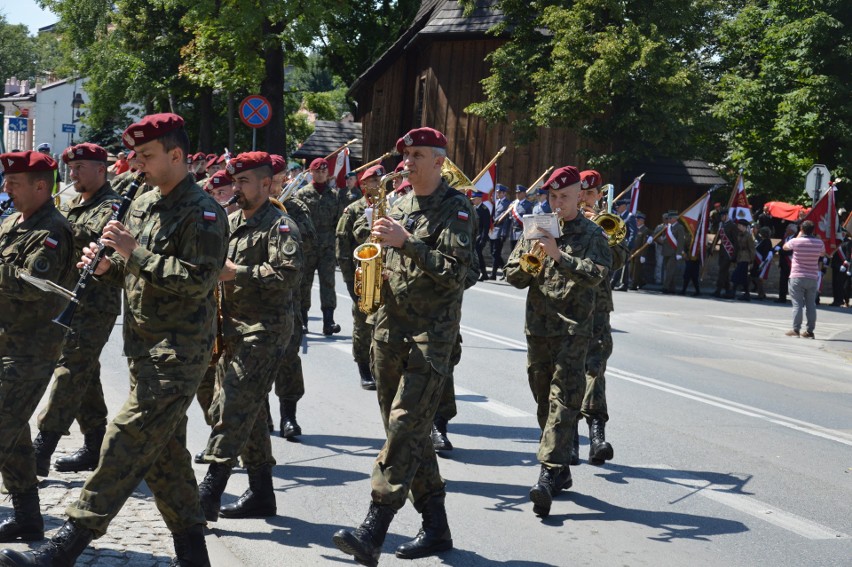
(558, 326)
(77, 392)
(262, 272)
(428, 238)
(168, 254)
(38, 240)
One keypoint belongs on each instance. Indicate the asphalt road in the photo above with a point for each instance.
(733, 445)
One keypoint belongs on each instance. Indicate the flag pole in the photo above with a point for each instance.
(716, 236)
(352, 141)
(374, 162)
(662, 230)
(620, 195)
(532, 187)
(487, 167)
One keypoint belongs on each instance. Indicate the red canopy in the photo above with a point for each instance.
(786, 211)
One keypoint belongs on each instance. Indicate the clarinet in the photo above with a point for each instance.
(67, 316)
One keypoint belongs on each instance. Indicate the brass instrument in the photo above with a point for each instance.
(613, 226)
(369, 257)
(531, 262)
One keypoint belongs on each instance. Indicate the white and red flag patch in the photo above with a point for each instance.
(463, 215)
(209, 215)
(283, 227)
(51, 242)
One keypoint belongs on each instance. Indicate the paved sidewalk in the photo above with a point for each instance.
(137, 537)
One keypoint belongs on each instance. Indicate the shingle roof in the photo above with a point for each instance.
(328, 136)
(665, 171)
(449, 18)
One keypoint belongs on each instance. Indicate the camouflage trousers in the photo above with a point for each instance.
(289, 379)
(77, 392)
(323, 263)
(447, 407)
(244, 377)
(555, 369)
(205, 393)
(23, 381)
(146, 441)
(410, 379)
(362, 330)
(600, 349)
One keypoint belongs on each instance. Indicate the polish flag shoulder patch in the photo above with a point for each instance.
(51, 243)
(462, 215)
(209, 215)
(283, 228)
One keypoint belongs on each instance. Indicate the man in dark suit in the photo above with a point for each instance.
(502, 223)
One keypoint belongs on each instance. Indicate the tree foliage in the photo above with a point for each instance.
(28, 57)
(784, 91)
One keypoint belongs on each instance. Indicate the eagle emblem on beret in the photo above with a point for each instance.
(128, 139)
(230, 168)
(408, 140)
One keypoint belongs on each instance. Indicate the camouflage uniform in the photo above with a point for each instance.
(30, 343)
(257, 311)
(290, 382)
(415, 333)
(559, 318)
(600, 344)
(168, 338)
(77, 392)
(347, 240)
(325, 209)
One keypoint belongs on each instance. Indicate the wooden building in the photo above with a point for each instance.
(433, 72)
(327, 137)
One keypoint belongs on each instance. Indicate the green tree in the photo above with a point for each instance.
(783, 95)
(631, 77)
(18, 56)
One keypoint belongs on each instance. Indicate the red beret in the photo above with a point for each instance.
(399, 167)
(210, 156)
(199, 156)
(563, 177)
(279, 164)
(248, 160)
(403, 187)
(211, 161)
(590, 179)
(23, 162)
(218, 179)
(422, 137)
(131, 154)
(84, 151)
(376, 170)
(319, 163)
(150, 128)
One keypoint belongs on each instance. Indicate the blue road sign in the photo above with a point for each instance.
(255, 111)
(18, 124)
(70, 128)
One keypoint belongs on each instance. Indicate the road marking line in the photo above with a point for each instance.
(743, 503)
(492, 337)
(736, 407)
(481, 289)
(493, 406)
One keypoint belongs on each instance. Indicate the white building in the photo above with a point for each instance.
(33, 116)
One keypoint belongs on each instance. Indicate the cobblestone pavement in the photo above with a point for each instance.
(137, 537)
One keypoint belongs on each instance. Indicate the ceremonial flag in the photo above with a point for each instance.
(739, 207)
(824, 217)
(764, 265)
(341, 167)
(486, 184)
(632, 194)
(695, 220)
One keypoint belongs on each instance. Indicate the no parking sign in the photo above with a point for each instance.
(255, 111)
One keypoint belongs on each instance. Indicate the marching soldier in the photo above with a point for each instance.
(502, 223)
(637, 264)
(77, 392)
(353, 230)
(36, 240)
(483, 225)
(428, 236)
(672, 240)
(621, 279)
(261, 273)
(558, 327)
(168, 257)
(325, 205)
(522, 207)
(290, 381)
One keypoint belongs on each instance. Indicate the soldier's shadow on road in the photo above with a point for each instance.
(500, 432)
(314, 477)
(720, 482)
(671, 525)
(341, 444)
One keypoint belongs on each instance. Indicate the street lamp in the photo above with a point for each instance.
(76, 103)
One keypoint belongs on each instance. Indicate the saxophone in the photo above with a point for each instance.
(369, 256)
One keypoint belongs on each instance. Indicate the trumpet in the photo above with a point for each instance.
(369, 256)
(532, 262)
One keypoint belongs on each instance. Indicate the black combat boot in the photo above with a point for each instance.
(44, 445)
(199, 457)
(440, 441)
(256, 502)
(190, 548)
(329, 327)
(434, 535)
(62, 550)
(86, 457)
(550, 482)
(367, 380)
(364, 543)
(211, 488)
(599, 449)
(25, 523)
(575, 446)
(289, 427)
